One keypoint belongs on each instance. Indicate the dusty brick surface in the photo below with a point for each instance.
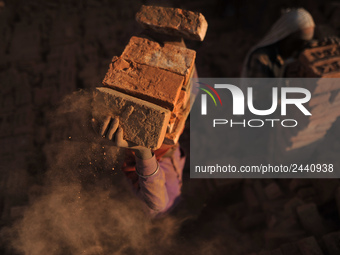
(143, 123)
(173, 21)
(145, 82)
(172, 58)
(322, 61)
(316, 53)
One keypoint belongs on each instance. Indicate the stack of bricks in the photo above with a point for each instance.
(148, 86)
(321, 60)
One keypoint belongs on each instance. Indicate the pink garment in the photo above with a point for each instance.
(161, 191)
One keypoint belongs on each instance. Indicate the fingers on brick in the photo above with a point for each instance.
(105, 126)
(113, 128)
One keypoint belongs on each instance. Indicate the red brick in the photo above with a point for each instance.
(145, 82)
(316, 53)
(169, 57)
(188, 85)
(173, 21)
(321, 61)
(143, 123)
(182, 101)
(173, 137)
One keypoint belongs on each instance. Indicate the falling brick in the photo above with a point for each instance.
(145, 82)
(143, 123)
(173, 21)
(168, 57)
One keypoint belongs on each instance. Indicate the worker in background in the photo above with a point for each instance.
(285, 39)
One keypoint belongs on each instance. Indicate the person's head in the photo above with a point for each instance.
(299, 30)
(295, 41)
(291, 31)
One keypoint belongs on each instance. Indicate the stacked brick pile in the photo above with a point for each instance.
(149, 85)
(321, 60)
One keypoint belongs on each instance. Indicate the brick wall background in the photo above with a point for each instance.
(51, 48)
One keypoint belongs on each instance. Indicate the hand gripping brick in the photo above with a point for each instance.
(143, 123)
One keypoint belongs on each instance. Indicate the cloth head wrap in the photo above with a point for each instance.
(291, 21)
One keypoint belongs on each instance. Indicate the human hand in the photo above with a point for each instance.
(110, 130)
